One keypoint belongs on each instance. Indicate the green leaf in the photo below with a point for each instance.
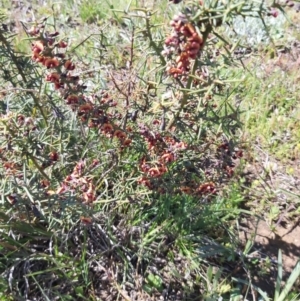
(209, 273)
(155, 281)
(279, 276)
(290, 282)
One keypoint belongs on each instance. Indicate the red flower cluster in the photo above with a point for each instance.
(186, 41)
(192, 188)
(51, 54)
(164, 149)
(207, 188)
(42, 52)
(76, 181)
(107, 100)
(46, 51)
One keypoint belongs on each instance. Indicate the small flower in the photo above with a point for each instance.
(144, 166)
(62, 44)
(53, 77)
(107, 128)
(229, 171)
(78, 169)
(156, 172)
(45, 183)
(12, 199)
(51, 62)
(68, 178)
(95, 162)
(127, 142)
(167, 157)
(239, 153)
(174, 71)
(171, 41)
(72, 99)
(85, 108)
(53, 156)
(69, 65)
(89, 196)
(145, 181)
(57, 86)
(186, 189)
(29, 121)
(50, 41)
(38, 58)
(86, 220)
(207, 188)
(273, 12)
(21, 119)
(119, 134)
(33, 31)
(38, 47)
(169, 140)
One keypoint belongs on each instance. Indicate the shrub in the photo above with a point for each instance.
(133, 149)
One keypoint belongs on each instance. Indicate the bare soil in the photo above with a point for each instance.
(285, 237)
